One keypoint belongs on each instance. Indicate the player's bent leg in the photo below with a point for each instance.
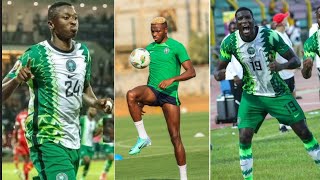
(53, 161)
(309, 141)
(136, 99)
(141, 95)
(245, 152)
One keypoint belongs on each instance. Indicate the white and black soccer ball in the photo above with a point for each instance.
(139, 58)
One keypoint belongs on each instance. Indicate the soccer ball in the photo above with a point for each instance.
(139, 58)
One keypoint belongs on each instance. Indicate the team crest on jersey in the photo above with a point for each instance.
(61, 176)
(166, 50)
(251, 51)
(71, 65)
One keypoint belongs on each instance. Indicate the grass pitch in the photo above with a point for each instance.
(158, 161)
(95, 169)
(275, 155)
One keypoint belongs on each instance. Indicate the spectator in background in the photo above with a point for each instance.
(294, 33)
(234, 74)
(264, 23)
(280, 21)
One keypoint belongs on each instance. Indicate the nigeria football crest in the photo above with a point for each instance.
(71, 65)
(251, 51)
(166, 50)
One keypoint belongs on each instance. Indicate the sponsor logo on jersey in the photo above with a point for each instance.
(166, 50)
(71, 65)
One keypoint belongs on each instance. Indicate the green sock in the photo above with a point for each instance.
(85, 170)
(107, 165)
(246, 161)
(313, 149)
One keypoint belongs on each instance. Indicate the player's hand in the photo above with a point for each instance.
(237, 80)
(307, 68)
(25, 73)
(165, 83)
(106, 105)
(141, 108)
(220, 75)
(274, 65)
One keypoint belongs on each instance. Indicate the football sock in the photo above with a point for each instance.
(183, 172)
(140, 128)
(85, 169)
(313, 149)
(26, 168)
(246, 161)
(107, 165)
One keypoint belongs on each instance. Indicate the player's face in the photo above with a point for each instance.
(65, 23)
(159, 32)
(233, 28)
(318, 16)
(245, 24)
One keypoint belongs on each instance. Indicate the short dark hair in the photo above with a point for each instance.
(317, 8)
(243, 9)
(52, 9)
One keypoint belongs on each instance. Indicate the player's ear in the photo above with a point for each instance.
(51, 25)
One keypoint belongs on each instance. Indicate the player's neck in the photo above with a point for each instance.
(164, 40)
(64, 45)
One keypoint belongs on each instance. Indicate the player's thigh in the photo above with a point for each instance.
(285, 108)
(53, 161)
(172, 115)
(251, 112)
(142, 94)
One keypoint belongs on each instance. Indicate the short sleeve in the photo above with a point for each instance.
(225, 49)
(182, 54)
(278, 43)
(310, 47)
(21, 62)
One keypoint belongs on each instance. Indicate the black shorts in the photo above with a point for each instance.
(291, 84)
(162, 98)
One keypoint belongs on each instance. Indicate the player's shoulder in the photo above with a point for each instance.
(174, 42)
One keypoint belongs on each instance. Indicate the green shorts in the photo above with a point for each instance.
(54, 161)
(108, 148)
(253, 110)
(86, 151)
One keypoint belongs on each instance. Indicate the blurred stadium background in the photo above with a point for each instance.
(24, 23)
(188, 22)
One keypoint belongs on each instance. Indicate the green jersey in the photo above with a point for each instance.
(87, 129)
(312, 46)
(55, 92)
(166, 60)
(254, 59)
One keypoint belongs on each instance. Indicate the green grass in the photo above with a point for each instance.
(275, 155)
(157, 161)
(96, 168)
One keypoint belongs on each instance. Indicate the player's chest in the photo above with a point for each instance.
(61, 67)
(162, 55)
(249, 52)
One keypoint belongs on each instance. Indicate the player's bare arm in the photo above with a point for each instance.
(91, 100)
(220, 71)
(10, 85)
(293, 62)
(188, 74)
(307, 68)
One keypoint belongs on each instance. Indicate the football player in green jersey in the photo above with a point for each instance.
(57, 72)
(167, 57)
(311, 49)
(264, 91)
